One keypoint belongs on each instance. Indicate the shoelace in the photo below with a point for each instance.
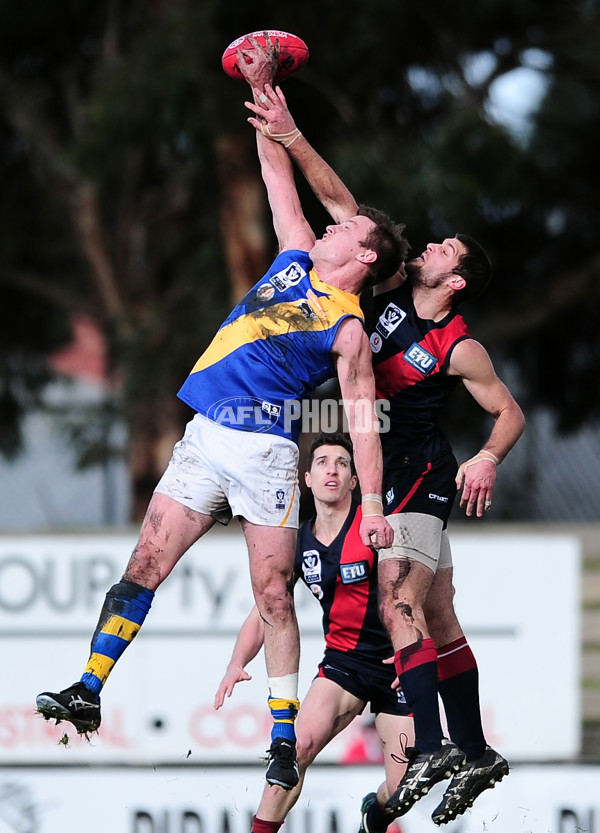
(283, 750)
(405, 750)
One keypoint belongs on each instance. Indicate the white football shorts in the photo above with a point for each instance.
(225, 473)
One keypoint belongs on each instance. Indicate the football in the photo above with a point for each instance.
(293, 53)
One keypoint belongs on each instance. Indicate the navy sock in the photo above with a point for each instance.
(459, 689)
(377, 820)
(416, 666)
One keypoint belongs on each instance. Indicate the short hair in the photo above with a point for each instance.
(475, 267)
(388, 241)
(330, 438)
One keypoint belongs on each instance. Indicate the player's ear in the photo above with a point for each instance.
(367, 256)
(307, 478)
(457, 282)
(353, 482)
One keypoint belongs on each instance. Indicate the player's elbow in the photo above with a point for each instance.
(518, 419)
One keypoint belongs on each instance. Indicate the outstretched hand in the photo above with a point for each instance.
(273, 117)
(258, 64)
(234, 674)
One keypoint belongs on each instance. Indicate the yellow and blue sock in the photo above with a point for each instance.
(122, 615)
(284, 713)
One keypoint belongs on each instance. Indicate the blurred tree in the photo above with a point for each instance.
(132, 196)
(119, 176)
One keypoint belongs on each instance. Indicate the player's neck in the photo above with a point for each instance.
(330, 519)
(347, 279)
(431, 305)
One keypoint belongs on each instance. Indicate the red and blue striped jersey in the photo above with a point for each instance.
(410, 361)
(343, 577)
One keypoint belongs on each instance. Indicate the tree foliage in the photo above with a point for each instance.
(131, 193)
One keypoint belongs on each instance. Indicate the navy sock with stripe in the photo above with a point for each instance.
(416, 666)
(458, 680)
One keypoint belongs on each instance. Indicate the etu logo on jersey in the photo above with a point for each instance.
(419, 358)
(351, 573)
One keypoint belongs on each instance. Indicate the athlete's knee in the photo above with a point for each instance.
(394, 608)
(144, 566)
(306, 749)
(443, 626)
(390, 612)
(274, 600)
(440, 614)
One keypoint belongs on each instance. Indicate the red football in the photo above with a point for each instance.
(293, 53)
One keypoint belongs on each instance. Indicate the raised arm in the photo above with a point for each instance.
(291, 227)
(352, 355)
(247, 645)
(257, 65)
(275, 121)
(477, 476)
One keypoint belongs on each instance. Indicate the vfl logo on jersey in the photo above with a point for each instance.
(389, 496)
(311, 566)
(391, 318)
(419, 358)
(352, 573)
(289, 276)
(279, 499)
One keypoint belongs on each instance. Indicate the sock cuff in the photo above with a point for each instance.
(411, 656)
(137, 598)
(283, 711)
(455, 658)
(451, 646)
(261, 826)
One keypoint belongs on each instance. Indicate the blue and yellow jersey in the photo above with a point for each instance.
(272, 350)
